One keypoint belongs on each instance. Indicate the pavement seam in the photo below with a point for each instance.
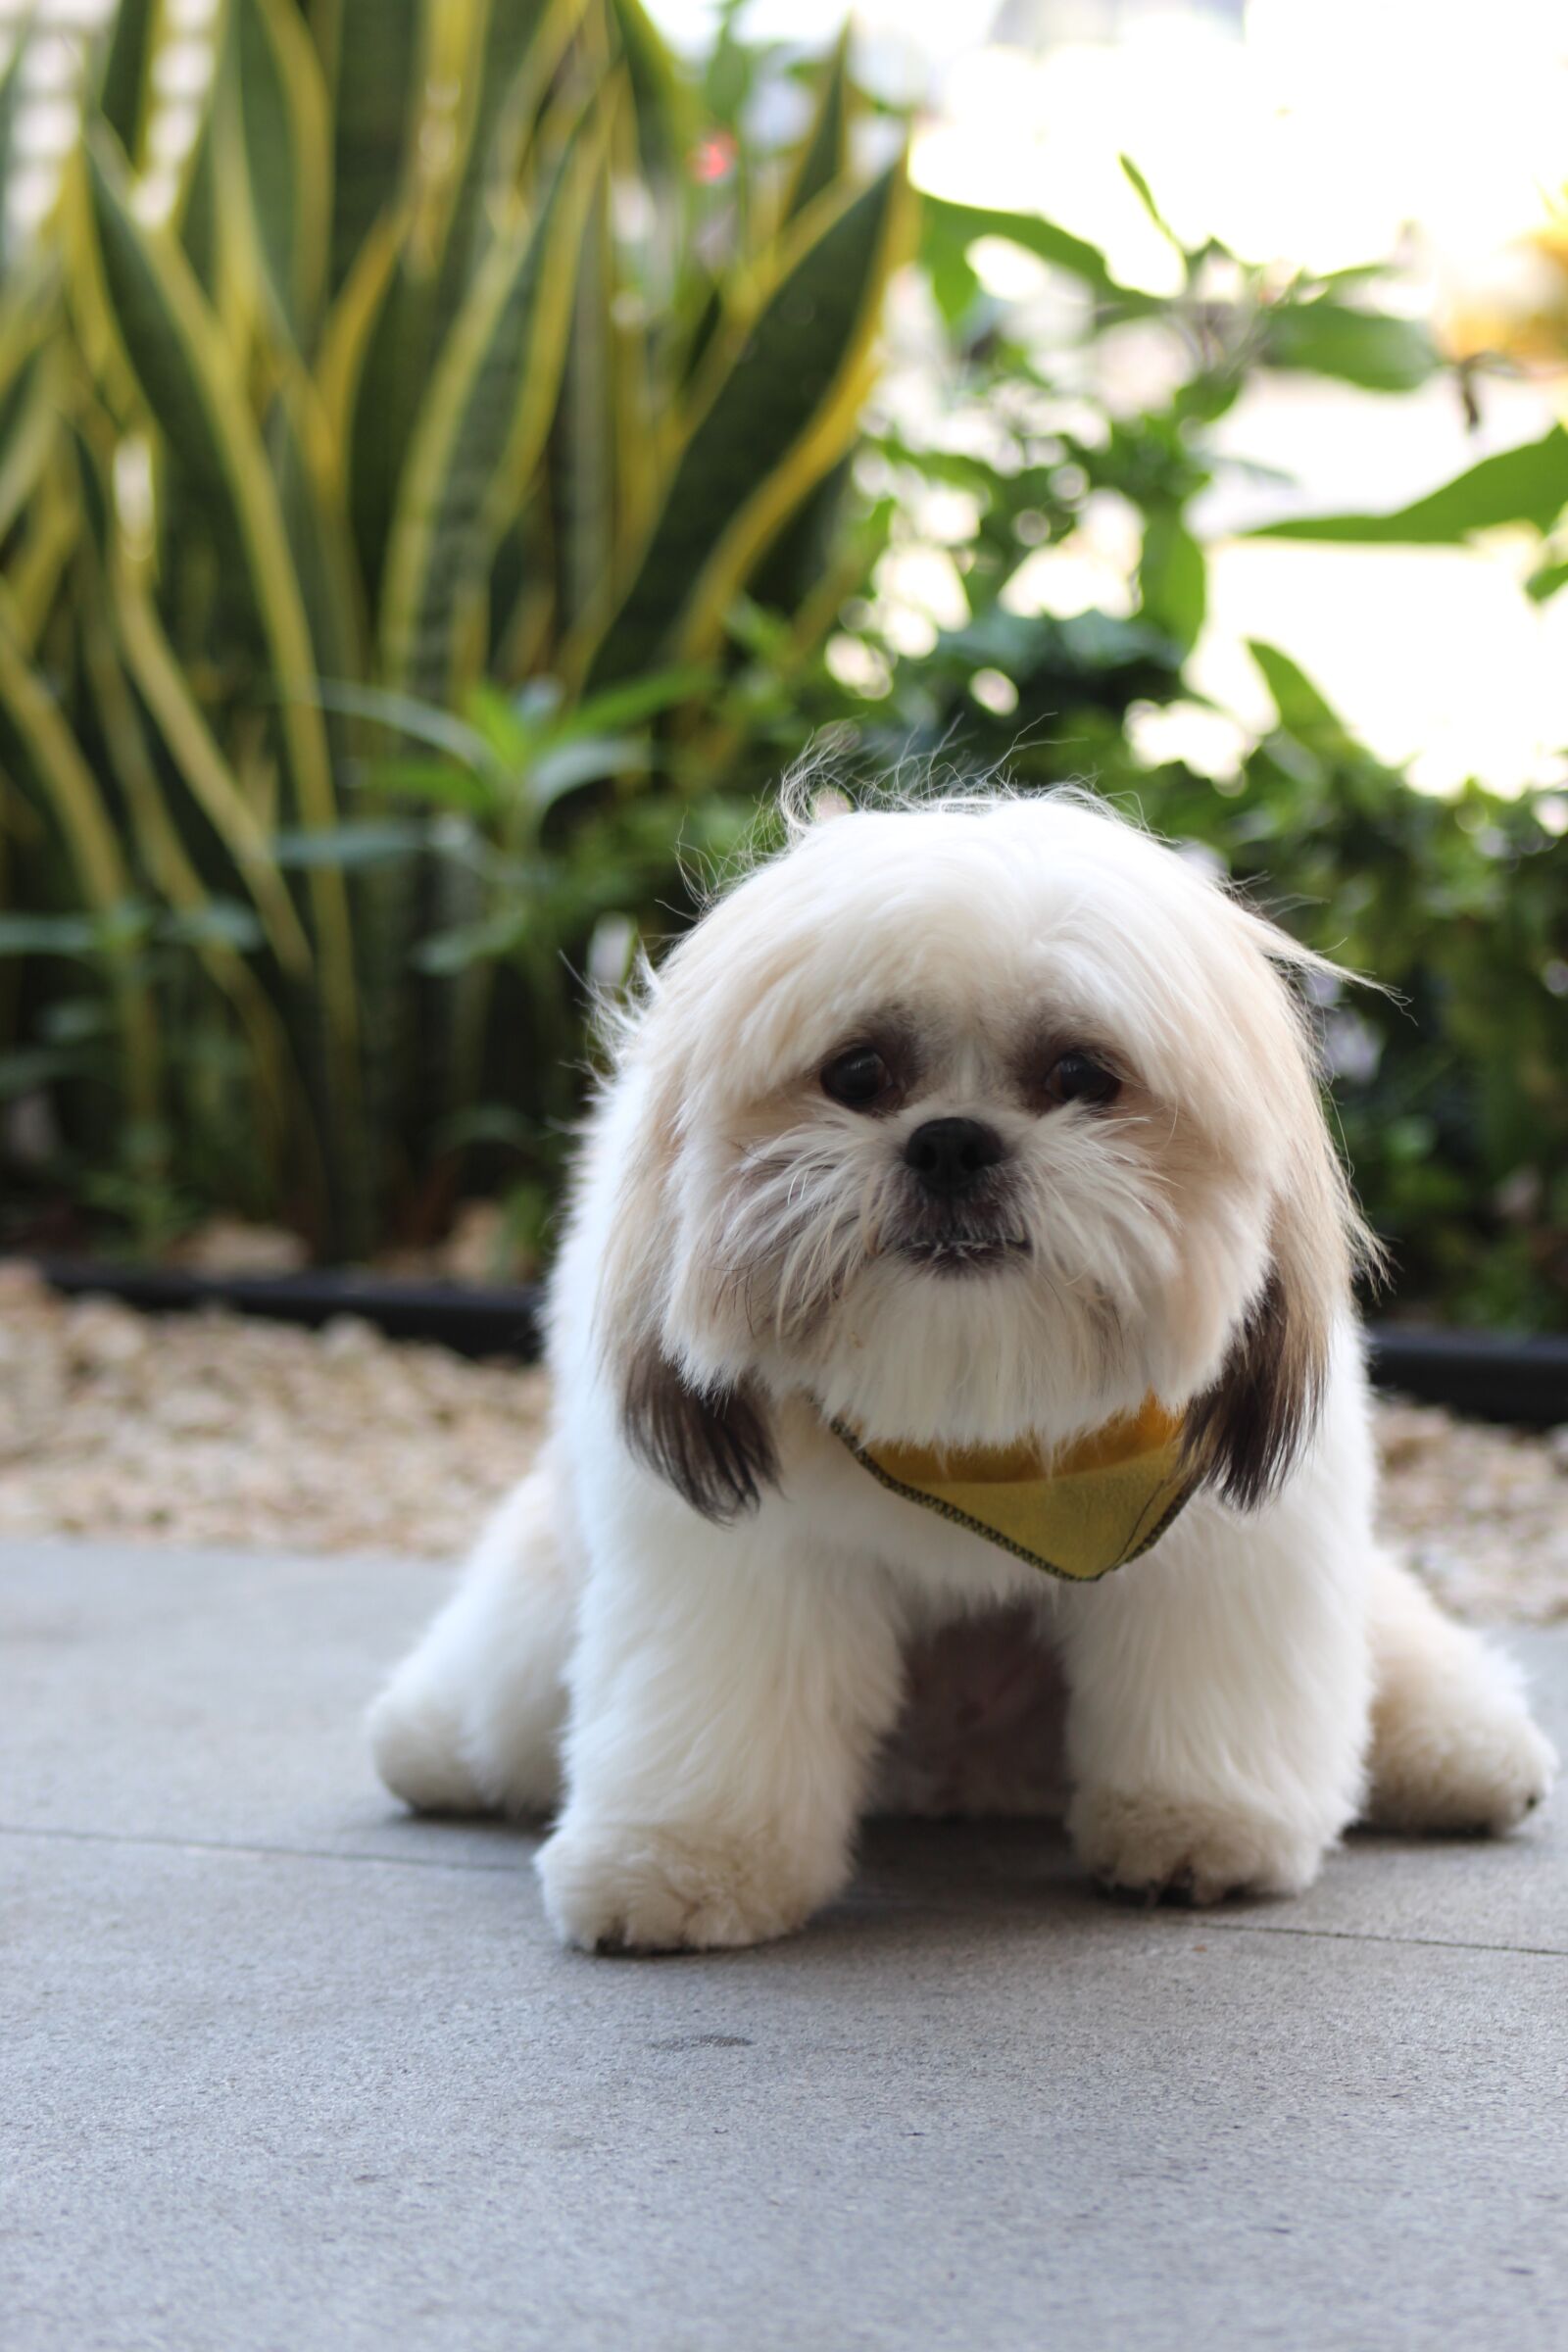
(518, 1863)
(230, 1845)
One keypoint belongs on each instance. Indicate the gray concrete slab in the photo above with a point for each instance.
(282, 2070)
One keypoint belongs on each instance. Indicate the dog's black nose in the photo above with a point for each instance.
(947, 1154)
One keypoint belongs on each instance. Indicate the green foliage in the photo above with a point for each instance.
(423, 556)
(450, 379)
(1450, 1077)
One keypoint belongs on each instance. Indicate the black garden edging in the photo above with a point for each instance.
(1489, 1376)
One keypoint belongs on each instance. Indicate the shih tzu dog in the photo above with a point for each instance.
(958, 1409)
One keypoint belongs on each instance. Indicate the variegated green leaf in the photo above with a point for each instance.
(188, 383)
(824, 151)
(374, 57)
(28, 412)
(50, 753)
(662, 100)
(481, 429)
(126, 76)
(298, 438)
(433, 277)
(197, 209)
(281, 158)
(775, 409)
(581, 473)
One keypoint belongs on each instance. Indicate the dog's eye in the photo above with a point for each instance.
(858, 1078)
(1079, 1078)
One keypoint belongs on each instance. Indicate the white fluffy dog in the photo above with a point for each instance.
(961, 1142)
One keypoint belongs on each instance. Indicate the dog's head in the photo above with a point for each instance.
(973, 1121)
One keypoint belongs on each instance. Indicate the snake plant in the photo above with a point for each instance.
(447, 376)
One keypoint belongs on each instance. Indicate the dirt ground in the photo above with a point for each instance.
(218, 1429)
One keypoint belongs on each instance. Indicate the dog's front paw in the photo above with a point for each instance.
(1157, 1848)
(619, 1886)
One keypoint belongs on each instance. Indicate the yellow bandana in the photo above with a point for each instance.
(1080, 1515)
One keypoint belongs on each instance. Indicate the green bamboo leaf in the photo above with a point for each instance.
(126, 75)
(478, 437)
(775, 410)
(1529, 484)
(188, 383)
(196, 211)
(280, 162)
(824, 151)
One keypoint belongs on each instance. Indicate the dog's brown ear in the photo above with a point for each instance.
(714, 1449)
(1246, 1432)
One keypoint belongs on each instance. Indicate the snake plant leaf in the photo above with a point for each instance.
(189, 384)
(217, 929)
(661, 101)
(282, 153)
(409, 304)
(498, 77)
(481, 429)
(375, 75)
(36, 569)
(121, 605)
(195, 757)
(824, 151)
(28, 409)
(775, 410)
(196, 210)
(582, 468)
(51, 755)
(126, 74)
(10, 95)
(299, 440)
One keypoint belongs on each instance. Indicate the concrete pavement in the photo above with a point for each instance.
(284, 2070)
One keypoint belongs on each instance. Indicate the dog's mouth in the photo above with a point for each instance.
(954, 1255)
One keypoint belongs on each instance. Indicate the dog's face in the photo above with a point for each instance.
(972, 1122)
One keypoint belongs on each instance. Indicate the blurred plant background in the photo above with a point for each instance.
(436, 504)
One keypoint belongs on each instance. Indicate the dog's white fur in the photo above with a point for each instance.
(709, 1703)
